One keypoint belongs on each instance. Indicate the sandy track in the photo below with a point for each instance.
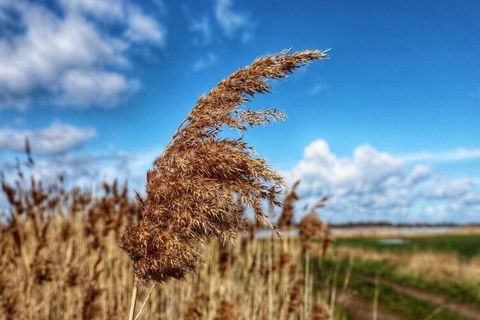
(363, 309)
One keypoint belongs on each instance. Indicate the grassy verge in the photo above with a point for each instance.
(466, 246)
(463, 293)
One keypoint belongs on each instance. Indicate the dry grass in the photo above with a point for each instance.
(60, 259)
(88, 277)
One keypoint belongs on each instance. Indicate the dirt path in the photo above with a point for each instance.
(362, 309)
(465, 310)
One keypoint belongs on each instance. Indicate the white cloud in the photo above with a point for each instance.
(56, 138)
(138, 25)
(83, 87)
(37, 60)
(446, 156)
(233, 23)
(450, 189)
(374, 185)
(203, 29)
(106, 9)
(143, 28)
(206, 62)
(320, 169)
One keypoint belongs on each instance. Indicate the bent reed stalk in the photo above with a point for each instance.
(193, 191)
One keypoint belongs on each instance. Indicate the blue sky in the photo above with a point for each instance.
(388, 125)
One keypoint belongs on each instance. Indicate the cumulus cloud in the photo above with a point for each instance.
(449, 189)
(83, 87)
(57, 138)
(50, 53)
(375, 185)
(233, 23)
(321, 170)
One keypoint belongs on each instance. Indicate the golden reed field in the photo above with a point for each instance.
(66, 264)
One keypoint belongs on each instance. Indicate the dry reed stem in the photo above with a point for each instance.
(133, 301)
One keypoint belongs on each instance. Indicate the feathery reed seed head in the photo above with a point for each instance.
(193, 189)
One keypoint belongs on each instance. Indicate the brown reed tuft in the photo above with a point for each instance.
(9, 299)
(295, 298)
(91, 306)
(200, 176)
(311, 227)
(284, 261)
(226, 311)
(195, 308)
(321, 311)
(327, 240)
(225, 258)
(286, 218)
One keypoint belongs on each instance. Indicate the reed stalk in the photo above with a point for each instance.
(133, 300)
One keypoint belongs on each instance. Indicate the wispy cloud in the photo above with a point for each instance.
(318, 88)
(202, 29)
(446, 156)
(57, 138)
(233, 23)
(205, 62)
(70, 56)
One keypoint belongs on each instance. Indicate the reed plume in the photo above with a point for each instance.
(311, 227)
(226, 311)
(327, 240)
(195, 308)
(295, 301)
(321, 311)
(286, 218)
(200, 177)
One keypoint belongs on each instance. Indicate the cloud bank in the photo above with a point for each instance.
(368, 185)
(374, 185)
